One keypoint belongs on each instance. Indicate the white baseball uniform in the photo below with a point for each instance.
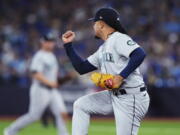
(41, 96)
(129, 109)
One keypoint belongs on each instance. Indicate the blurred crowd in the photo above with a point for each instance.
(154, 24)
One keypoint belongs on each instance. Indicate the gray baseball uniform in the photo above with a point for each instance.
(41, 97)
(130, 108)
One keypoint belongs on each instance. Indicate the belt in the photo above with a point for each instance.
(117, 92)
(45, 86)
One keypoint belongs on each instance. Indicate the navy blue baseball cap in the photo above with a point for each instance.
(48, 37)
(111, 17)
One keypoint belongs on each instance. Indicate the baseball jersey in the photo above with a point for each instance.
(45, 63)
(113, 56)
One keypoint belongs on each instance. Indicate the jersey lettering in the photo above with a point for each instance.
(108, 57)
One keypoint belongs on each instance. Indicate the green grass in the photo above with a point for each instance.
(106, 127)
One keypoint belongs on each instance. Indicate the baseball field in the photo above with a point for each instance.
(104, 127)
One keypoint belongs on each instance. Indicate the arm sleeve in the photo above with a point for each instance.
(136, 58)
(80, 65)
(36, 65)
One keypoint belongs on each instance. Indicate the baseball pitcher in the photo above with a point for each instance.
(118, 59)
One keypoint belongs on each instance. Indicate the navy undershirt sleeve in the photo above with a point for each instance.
(80, 65)
(136, 58)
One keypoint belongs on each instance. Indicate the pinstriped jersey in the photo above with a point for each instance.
(113, 56)
(45, 63)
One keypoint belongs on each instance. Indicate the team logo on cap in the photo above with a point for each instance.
(100, 17)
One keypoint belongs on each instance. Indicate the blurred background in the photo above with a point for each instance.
(154, 24)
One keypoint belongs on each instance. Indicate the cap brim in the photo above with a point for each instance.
(91, 19)
(47, 40)
(52, 40)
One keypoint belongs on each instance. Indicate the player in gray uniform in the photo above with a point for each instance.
(43, 91)
(120, 56)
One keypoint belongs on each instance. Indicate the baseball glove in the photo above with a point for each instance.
(103, 80)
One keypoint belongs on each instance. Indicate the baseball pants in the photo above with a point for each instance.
(40, 99)
(129, 110)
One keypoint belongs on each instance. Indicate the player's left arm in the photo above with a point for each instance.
(132, 51)
(135, 60)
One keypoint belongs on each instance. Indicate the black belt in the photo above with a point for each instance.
(123, 91)
(46, 86)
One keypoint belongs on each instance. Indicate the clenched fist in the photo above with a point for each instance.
(68, 37)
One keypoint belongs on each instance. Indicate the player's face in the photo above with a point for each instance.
(49, 45)
(97, 28)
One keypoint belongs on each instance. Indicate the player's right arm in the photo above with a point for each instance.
(36, 70)
(40, 77)
(80, 65)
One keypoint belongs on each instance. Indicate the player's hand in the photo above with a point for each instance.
(53, 85)
(68, 37)
(115, 82)
(107, 81)
(72, 74)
